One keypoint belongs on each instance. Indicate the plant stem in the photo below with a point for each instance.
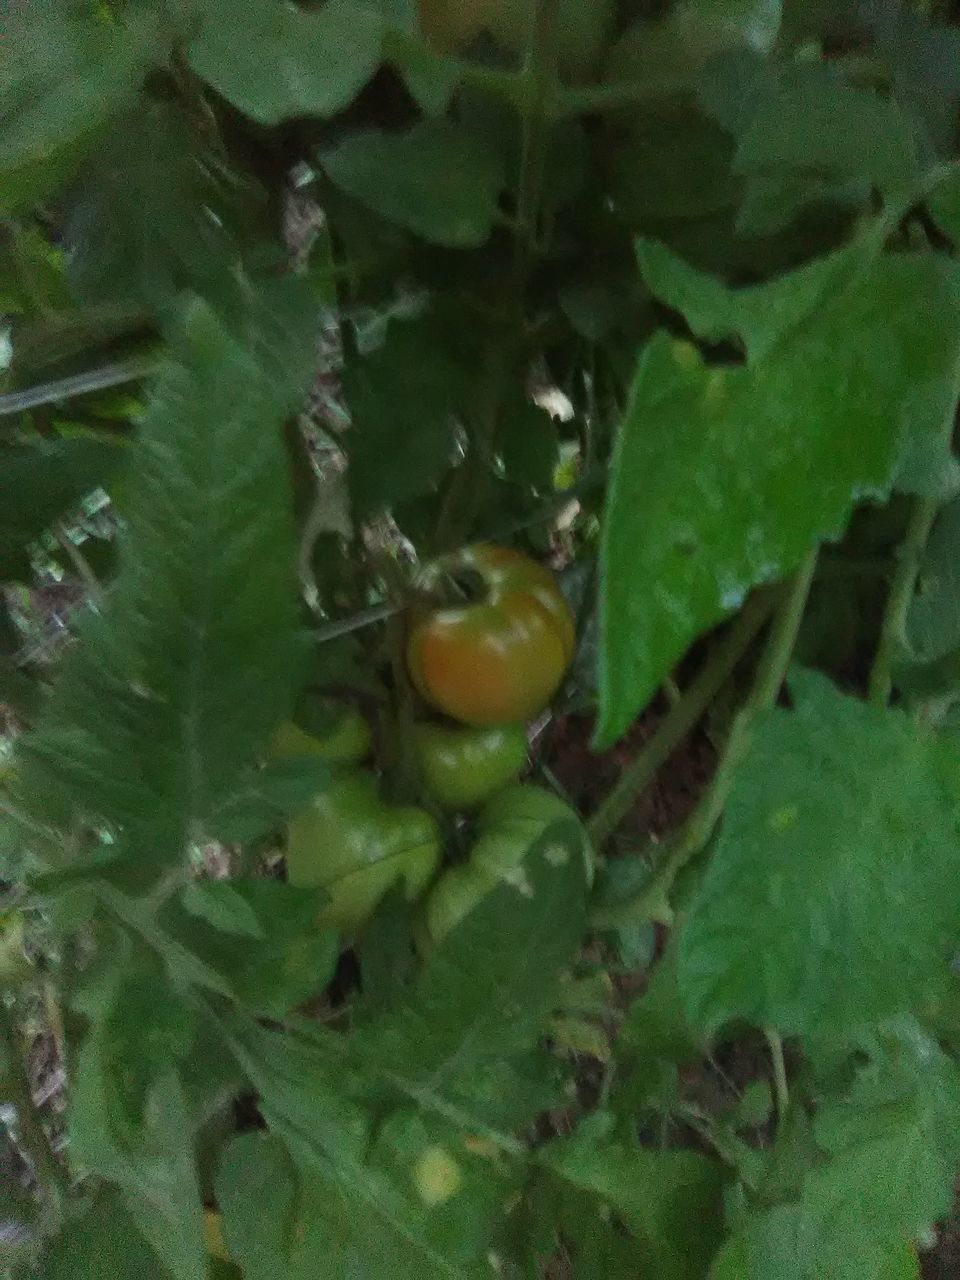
(698, 830)
(537, 83)
(679, 720)
(79, 384)
(82, 566)
(781, 1090)
(31, 1138)
(893, 630)
(610, 97)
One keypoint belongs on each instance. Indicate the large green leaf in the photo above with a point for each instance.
(382, 1192)
(402, 398)
(142, 225)
(438, 181)
(833, 890)
(465, 1036)
(162, 707)
(814, 121)
(102, 1244)
(61, 78)
(275, 60)
(151, 1161)
(884, 1174)
(40, 481)
(658, 1195)
(723, 476)
(261, 935)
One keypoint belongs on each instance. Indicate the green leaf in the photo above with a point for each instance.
(267, 796)
(437, 180)
(885, 1172)
(62, 79)
(832, 891)
(40, 481)
(529, 446)
(380, 1193)
(417, 1207)
(674, 163)
(151, 1162)
(256, 1169)
(655, 1038)
(148, 1030)
(893, 1146)
(723, 476)
(276, 61)
(162, 707)
(403, 397)
(944, 203)
(261, 936)
(223, 906)
(819, 123)
(463, 1037)
(142, 227)
(658, 1195)
(101, 1244)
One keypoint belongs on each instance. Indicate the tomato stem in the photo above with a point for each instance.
(680, 719)
(692, 838)
(893, 630)
(781, 1090)
(537, 83)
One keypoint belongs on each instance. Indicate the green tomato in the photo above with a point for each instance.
(506, 829)
(461, 768)
(348, 740)
(357, 848)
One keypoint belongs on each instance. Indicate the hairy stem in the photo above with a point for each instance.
(893, 630)
(694, 836)
(680, 719)
(781, 1090)
(537, 81)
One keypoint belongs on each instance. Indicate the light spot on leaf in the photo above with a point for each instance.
(557, 855)
(479, 1146)
(715, 391)
(686, 354)
(436, 1176)
(781, 819)
(517, 879)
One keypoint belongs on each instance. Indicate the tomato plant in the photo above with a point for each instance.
(479, 639)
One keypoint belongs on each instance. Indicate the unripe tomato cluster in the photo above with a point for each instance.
(489, 663)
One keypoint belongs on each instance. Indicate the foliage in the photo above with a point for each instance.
(302, 303)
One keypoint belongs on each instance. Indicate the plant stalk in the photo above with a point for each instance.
(694, 836)
(679, 720)
(893, 631)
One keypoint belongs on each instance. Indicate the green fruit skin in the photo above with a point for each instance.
(506, 828)
(349, 842)
(461, 768)
(349, 742)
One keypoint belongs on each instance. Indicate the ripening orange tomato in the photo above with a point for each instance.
(500, 658)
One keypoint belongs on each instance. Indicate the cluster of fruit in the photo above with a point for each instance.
(489, 664)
